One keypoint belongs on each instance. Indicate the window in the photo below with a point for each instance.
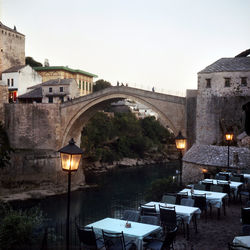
(79, 84)
(244, 81)
(87, 86)
(83, 85)
(62, 99)
(227, 82)
(90, 87)
(8, 81)
(12, 82)
(50, 99)
(50, 90)
(208, 83)
(61, 89)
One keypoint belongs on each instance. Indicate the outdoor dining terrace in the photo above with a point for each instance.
(196, 225)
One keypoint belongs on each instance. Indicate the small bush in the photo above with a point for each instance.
(159, 187)
(17, 228)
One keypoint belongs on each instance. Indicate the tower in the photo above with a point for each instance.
(12, 48)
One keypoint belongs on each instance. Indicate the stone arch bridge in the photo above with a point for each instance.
(171, 109)
(36, 131)
(50, 126)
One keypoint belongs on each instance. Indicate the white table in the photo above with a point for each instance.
(214, 198)
(184, 211)
(247, 176)
(234, 185)
(137, 231)
(243, 241)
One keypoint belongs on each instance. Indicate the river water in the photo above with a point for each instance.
(119, 189)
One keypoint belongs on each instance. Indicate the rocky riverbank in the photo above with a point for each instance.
(99, 167)
(33, 190)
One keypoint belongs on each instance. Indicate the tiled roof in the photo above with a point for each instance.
(210, 155)
(58, 82)
(35, 93)
(66, 69)
(53, 82)
(9, 29)
(14, 69)
(229, 65)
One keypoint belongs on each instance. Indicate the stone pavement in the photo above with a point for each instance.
(213, 234)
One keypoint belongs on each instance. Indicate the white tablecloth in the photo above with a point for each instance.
(184, 211)
(137, 231)
(242, 240)
(214, 198)
(234, 185)
(247, 176)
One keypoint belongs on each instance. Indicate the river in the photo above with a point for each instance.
(119, 189)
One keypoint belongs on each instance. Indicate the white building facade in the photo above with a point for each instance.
(19, 79)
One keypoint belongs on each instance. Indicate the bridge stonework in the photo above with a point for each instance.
(38, 130)
(171, 109)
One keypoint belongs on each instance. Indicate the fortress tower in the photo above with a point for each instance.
(12, 48)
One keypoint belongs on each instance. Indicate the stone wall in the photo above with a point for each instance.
(4, 98)
(193, 173)
(37, 169)
(34, 131)
(12, 49)
(220, 107)
(33, 126)
(191, 104)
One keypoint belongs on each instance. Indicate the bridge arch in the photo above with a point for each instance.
(83, 108)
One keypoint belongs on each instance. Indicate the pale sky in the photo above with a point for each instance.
(145, 43)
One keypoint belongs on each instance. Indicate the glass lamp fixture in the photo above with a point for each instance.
(229, 136)
(70, 156)
(180, 141)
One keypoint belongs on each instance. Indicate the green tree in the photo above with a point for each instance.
(33, 63)
(101, 84)
(98, 131)
(107, 138)
(5, 148)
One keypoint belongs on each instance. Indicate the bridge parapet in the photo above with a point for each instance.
(128, 91)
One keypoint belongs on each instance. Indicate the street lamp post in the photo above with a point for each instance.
(180, 142)
(70, 160)
(229, 137)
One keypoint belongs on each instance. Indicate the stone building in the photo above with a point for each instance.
(84, 79)
(52, 91)
(12, 48)
(18, 79)
(223, 92)
(223, 88)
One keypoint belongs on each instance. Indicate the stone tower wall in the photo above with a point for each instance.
(191, 104)
(12, 48)
(220, 107)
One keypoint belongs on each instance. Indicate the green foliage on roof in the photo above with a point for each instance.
(74, 71)
(33, 63)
